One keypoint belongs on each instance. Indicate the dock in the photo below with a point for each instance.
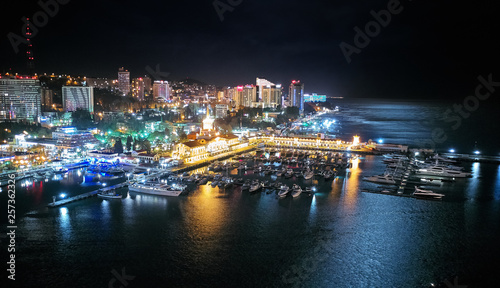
(85, 195)
(472, 158)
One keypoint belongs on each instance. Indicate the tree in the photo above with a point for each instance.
(146, 145)
(118, 147)
(130, 141)
(292, 112)
(81, 119)
(183, 136)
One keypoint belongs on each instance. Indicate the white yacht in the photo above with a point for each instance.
(382, 179)
(419, 192)
(157, 189)
(442, 172)
(109, 195)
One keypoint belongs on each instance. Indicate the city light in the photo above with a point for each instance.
(380, 141)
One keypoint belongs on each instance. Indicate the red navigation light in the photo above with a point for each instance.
(293, 81)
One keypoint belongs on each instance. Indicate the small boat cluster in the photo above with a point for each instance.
(431, 171)
(248, 185)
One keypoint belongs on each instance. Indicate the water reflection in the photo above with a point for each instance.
(350, 187)
(497, 185)
(64, 224)
(473, 183)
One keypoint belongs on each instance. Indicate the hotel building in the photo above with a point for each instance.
(161, 90)
(78, 97)
(296, 95)
(20, 99)
(124, 81)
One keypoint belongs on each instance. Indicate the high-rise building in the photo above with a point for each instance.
(20, 99)
(124, 81)
(229, 94)
(161, 90)
(268, 94)
(245, 95)
(47, 98)
(148, 86)
(78, 97)
(296, 95)
(138, 89)
(221, 110)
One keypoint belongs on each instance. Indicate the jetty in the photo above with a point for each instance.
(85, 195)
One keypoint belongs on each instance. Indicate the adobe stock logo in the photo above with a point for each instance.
(50, 8)
(372, 29)
(123, 278)
(221, 7)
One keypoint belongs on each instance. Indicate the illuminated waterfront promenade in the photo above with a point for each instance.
(335, 145)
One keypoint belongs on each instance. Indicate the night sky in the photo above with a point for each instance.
(428, 50)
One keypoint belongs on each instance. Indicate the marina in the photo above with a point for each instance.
(248, 195)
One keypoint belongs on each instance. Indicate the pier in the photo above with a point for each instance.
(85, 195)
(473, 158)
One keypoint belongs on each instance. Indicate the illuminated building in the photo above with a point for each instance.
(47, 97)
(221, 110)
(314, 98)
(161, 91)
(245, 95)
(71, 138)
(20, 99)
(78, 97)
(148, 86)
(138, 88)
(229, 95)
(268, 94)
(208, 130)
(201, 149)
(124, 81)
(296, 95)
(101, 83)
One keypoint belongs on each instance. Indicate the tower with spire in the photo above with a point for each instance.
(29, 50)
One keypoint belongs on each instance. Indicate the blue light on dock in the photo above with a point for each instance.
(380, 141)
(63, 195)
(452, 150)
(477, 152)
